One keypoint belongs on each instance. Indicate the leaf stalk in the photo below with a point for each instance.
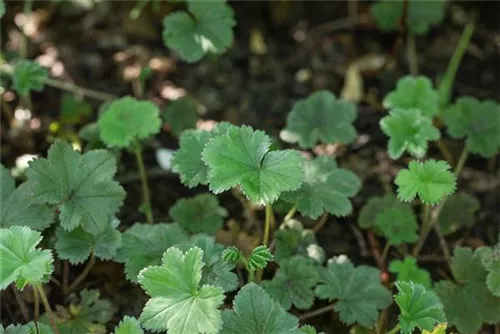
(83, 274)
(52, 319)
(144, 180)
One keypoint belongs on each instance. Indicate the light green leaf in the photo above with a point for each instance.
(322, 118)
(399, 225)
(254, 312)
(325, 187)
(80, 185)
(375, 206)
(242, 157)
(408, 271)
(128, 119)
(232, 254)
(28, 76)
(181, 114)
(293, 283)
(129, 325)
(458, 211)
(178, 303)
(414, 93)
(259, 258)
(431, 180)
(17, 208)
(439, 329)
(143, 245)
(207, 28)
(358, 292)
(420, 308)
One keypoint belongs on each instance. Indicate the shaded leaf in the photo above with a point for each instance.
(458, 211)
(181, 114)
(398, 225)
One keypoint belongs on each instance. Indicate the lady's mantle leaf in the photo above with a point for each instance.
(178, 304)
(129, 325)
(458, 211)
(322, 117)
(479, 121)
(28, 76)
(375, 206)
(76, 245)
(242, 157)
(491, 261)
(17, 208)
(255, 312)
(199, 214)
(294, 283)
(358, 291)
(408, 271)
(431, 180)
(206, 29)
(29, 328)
(399, 225)
(80, 185)
(469, 303)
(413, 93)
(408, 130)
(128, 119)
(419, 307)
(143, 245)
(181, 114)
(20, 261)
(259, 258)
(325, 187)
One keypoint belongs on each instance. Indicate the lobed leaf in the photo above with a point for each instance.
(408, 271)
(458, 211)
(414, 93)
(28, 76)
(129, 325)
(490, 257)
(399, 225)
(375, 206)
(181, 114)
(259, 258)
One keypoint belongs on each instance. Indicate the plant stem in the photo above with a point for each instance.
(84, 273)
(424, 231)
(251, 276)
(320, 222)
(22, 305)
(46, 304)
(269, 214)
(445, 151)
(317, 312)
(65, 277)
(291, 213)
(394, 330)
(385, 251)
(411, 51)
(144, 180)
(461, 161)
(36, 304)
(443, 244)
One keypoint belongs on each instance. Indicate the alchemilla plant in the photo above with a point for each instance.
(66, 209)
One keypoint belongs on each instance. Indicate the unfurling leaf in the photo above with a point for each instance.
(232, 254)
(28, 76)
(259, 258)
(413, 93)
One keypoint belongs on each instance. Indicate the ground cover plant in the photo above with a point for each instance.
(239, 247)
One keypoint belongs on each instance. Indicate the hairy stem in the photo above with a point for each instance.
(317, 312)
(46, 304)
(84, 273)
(411, 50)
(267, 226)
(146, 197)
(291, 212)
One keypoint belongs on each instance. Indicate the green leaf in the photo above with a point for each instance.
(322, 118)
(17, 208)
(408, 130)
(414, 93)
(254, 312)
(181, 114)
(431, 180)
(199, 214)
(207, 28)
(308, 329)
(259, 258)
(439, 329)
(293, 239)
(293, 283)
(76, 245)
(375, 206)
(80, 185)
(408, 271)
(29, 328)
(399, 225)
(28, 76)
(129, 325)
(420, 308)
(387, 14)
(128, 119)
(232, 254)
(2, 8)
(358, 291)
(178, 303)
(458, 211)
(469, 303)
(143, 245)
(74, 111)
(478, 122)
(242, 157)
(325, 187)
(491, 260)
(20, 260)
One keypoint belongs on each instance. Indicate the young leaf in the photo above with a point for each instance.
(199, 214)
(255, 312)
(20, 260)
(439, 329)
(181, 114)
(322, 117)
(29, 328)
(207, 28)
(292, 239)
(491, 261)
(431, 180)
(293, 283)
(28, 76)
(478, 121)
(308, 329)
(143, 245)
(398, 225)
(408, 130)
(408, 271)
(458, 211)
(80, 185)
(375, 206)
(469, 303)
(128, 119)
(358, 291)
(259, 258)
(76, 245)
(232, 254)
(17, 208)
(178, 304)
(129, 325)
(419, 307)
(242, 157)
(414, 93)
(325, 187)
